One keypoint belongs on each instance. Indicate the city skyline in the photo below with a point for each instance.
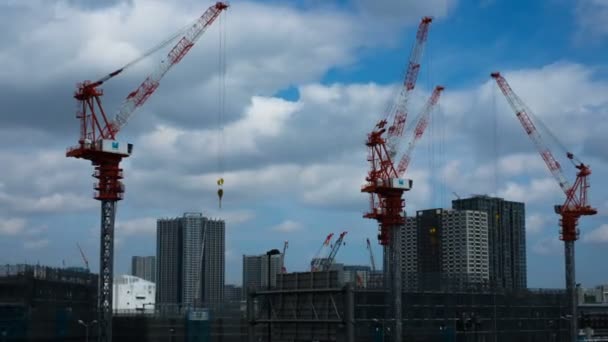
(297, 114)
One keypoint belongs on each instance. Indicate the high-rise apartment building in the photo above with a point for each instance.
(506, 238)
(144, 267)
(255, 271)
(191, 260)
(444, 249)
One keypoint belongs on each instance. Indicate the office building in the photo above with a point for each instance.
(255, 271)
(444, 249)
(133, 294)
(191, 260)
(144, 267)
(232, 293)
(506, 238)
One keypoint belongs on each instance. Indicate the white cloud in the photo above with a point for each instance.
(145, 225)
(57, 202)
(537, 190)
(548, 246)
(263, 118)
(598, 235)
(12, 226)
(36, 244)
(591, 16)
(287, 226)
(232, 217)
(535, 223)
(36, 231)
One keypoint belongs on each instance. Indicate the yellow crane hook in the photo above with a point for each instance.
(220, 191)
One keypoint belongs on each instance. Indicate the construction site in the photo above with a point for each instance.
(435, 280)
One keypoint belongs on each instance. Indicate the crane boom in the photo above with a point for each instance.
(399, 107)
(574, 207)
(140, 95)
(84, 258)
(283, 269)
(316, 260)
(421, 123)
(371, 256)
(334, 251)
(522, 113)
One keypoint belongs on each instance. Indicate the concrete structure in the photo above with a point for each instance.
(506, 237)
(444, 249)
(144, 267)
(133, 294)
(39, 303)
(191, 260)
(315, 306)
(255, 271)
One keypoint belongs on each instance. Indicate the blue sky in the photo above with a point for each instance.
(305, 82)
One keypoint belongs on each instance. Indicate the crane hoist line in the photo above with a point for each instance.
(98, 144)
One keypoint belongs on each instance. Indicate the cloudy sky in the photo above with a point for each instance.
(305, 81)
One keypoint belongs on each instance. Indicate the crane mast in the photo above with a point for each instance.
(98, 144)
(575, 205)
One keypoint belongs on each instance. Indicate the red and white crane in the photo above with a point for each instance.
(398, 111)
(576, 204)
(98, 144)
(317, 260)
(422, 121)
(383, 182)
(327, 262)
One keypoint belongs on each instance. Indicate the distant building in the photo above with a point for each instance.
(144, 267)
(357, 274)
(594, 295)
(133, 294)
(442, 249)
(190, 260)
(255, 271)
(506, 238)
(232, 293)
(39, 303)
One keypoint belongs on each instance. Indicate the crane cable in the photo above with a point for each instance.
(221, 107)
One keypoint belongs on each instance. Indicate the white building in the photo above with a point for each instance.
(133, 293)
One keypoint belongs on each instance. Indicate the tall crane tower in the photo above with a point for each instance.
(98, 144)
(384, 182)
(576, 204)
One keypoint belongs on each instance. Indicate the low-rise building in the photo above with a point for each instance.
(133, 294)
